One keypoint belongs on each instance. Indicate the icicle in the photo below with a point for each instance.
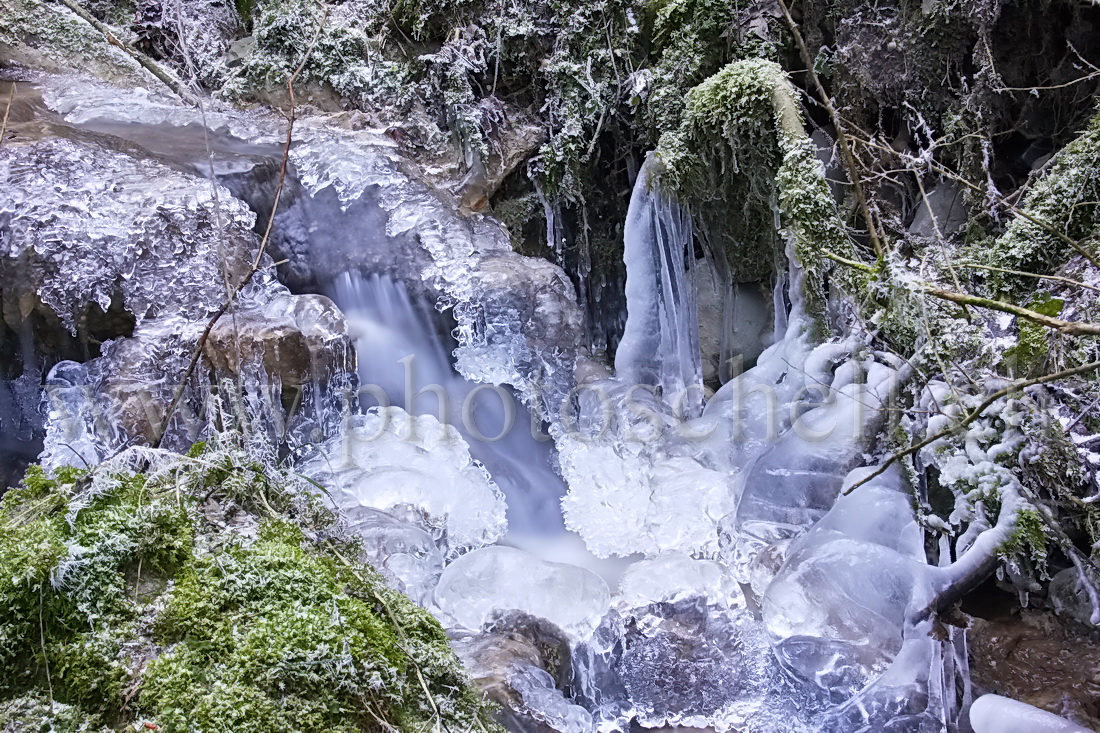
(660, 344)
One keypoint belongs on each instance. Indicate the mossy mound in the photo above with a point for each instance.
(739, 155)
(206, 592)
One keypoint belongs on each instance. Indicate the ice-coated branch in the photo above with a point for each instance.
(978, 561)
(974, 415)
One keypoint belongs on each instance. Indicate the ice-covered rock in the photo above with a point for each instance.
(530, 340)
(522, 663)
(85, 222)
(996, 714)
(491, 581)
(674, 576)
(838, 607)
(415, 468)
(690, 663)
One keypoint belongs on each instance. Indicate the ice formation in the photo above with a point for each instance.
(755, 594)
(996, 714)
(494, 580)
(415, 468)
(660, 344)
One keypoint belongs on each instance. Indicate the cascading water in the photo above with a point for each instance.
(758, 594)
(403, 361)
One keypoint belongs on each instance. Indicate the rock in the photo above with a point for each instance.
(52, 38)
(521, 664)
(1068, 599)
(945, 203)
(687, 663)
(297, 339)
(1038, 659)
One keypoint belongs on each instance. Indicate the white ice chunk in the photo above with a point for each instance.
(500, 579)
(673, 576)
(996, 714)
(418, 470)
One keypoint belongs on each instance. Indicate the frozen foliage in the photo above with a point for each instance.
(996, 714)
(415, 468)
(488, 582)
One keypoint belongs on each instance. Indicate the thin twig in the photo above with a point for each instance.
(998, 199)
(7, 110)
(1021, 273)
(1069, 328)
(847, 262)
(148, 64)
(972, 416)
(841, 135)
(232, 297)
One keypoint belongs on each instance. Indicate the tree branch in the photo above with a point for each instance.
(841, 136)
(1069, 328)
(147, 63)
(972, 416)
(232, 297)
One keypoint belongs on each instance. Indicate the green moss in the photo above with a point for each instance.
(1029, 356)
(1029, 539)
(1063, 200)
(121, 600)
(740, 154)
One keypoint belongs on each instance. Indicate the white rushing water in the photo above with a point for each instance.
(403, 361)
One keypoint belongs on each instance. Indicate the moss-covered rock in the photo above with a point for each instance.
(1059, 208)
(206, 592)
(740, 155)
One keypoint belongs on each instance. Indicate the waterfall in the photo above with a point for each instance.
(403, 361)
(660, 344)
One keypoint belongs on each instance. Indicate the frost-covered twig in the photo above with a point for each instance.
(978, 561)
(972, 416)
(948, 173)
(232, 297)
(1069, 328)
(841, 136)
(1021, 273)
(147, 63)
(7, 110)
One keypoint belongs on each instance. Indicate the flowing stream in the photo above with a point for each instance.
(686, 562)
